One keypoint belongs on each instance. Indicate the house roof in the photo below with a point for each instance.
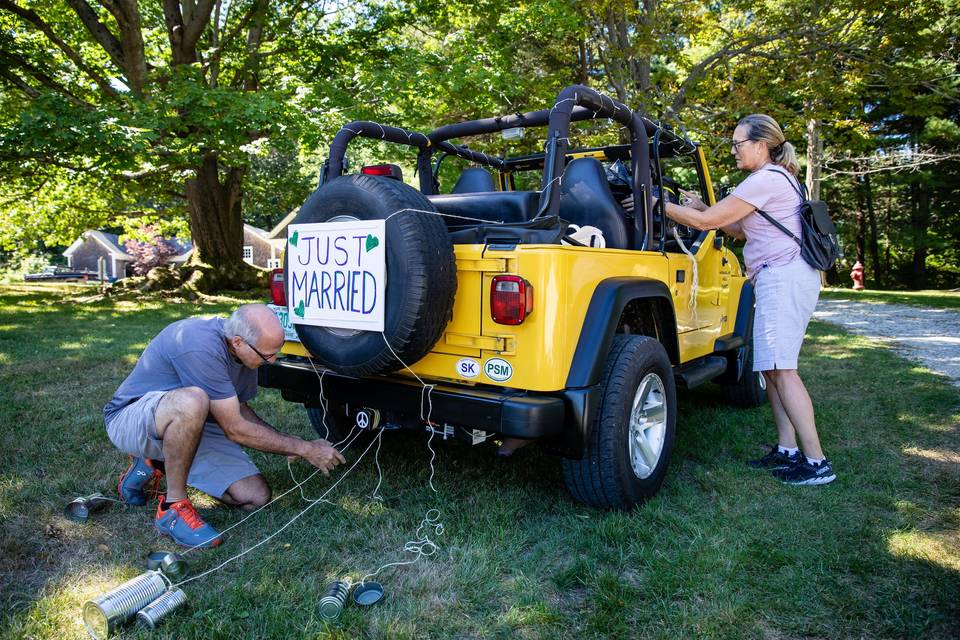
(280, 231)
(257, 231)
(111, 242)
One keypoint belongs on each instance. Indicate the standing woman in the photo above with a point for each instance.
(786, 288)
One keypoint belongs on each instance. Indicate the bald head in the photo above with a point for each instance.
(256, 324)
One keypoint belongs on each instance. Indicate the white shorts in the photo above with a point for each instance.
(218, 463)
(786, 297)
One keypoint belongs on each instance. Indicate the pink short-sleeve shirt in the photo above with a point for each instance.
(774, 191)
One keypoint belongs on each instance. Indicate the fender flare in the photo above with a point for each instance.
(609, 300)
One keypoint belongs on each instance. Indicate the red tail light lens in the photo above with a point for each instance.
(277, 291)
(511, 299)
(388, 170)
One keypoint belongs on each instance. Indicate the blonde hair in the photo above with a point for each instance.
(763, 128)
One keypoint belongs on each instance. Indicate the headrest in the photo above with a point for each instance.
(474, 180)
(586, 199)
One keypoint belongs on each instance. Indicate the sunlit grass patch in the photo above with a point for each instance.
(722, 552)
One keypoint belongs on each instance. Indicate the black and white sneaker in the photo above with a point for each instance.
(804, 473)
(774, 460)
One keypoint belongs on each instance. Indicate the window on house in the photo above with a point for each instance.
(274, 263)
(248, 254)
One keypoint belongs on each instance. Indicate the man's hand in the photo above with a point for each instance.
(322, 455)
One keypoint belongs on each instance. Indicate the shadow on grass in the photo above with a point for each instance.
(721, 552)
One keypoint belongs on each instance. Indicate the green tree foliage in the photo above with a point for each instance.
(113, 112)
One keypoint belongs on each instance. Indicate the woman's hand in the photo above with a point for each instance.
(692, 200)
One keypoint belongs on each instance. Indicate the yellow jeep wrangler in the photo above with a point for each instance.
(551, 313)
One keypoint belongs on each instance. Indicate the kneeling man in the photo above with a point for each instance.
(183, 412)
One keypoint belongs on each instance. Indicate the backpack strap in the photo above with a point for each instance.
(777, 224)
(803, 194)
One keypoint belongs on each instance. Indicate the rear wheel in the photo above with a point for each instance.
(751, 389)
(633, 433)
(333, 425)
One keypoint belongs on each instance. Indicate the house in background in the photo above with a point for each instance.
(85, 252)
(260, 249)
(278, 237)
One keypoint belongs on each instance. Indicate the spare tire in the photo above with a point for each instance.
(421, 275)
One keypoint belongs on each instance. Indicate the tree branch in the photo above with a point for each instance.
(43, 78)
(198, 22)
(31, 16)
(99, 31)
(19, 83)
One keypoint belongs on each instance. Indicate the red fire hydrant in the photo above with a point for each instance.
(856, 274)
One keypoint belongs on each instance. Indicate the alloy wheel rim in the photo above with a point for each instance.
(648, 426)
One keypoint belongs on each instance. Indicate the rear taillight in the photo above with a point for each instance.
(388, 170)
(511, 299)
(277, 291)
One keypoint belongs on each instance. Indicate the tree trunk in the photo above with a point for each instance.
(875, 270)
(216, 225)
(919, 223)
(861, 233)
(814, 158)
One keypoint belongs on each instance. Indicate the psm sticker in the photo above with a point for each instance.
(498, 369)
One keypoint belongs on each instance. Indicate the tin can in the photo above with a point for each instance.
(103, 615)
(151, 615)
(334, 599)
(79, 509)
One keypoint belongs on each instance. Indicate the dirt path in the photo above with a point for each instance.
(930, 336)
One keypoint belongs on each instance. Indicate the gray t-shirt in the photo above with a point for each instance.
(187, 353)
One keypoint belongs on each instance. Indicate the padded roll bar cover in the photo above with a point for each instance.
(586, 199)
(367, 129)
(558, 142)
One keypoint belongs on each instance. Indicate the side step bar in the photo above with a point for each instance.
(696, 373)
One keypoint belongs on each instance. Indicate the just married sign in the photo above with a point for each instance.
(336, 274)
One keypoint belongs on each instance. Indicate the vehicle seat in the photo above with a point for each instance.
(493, 206)
(586, 199)
(474, 180)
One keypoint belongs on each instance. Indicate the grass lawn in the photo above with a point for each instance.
(930, 298)
(722, 552)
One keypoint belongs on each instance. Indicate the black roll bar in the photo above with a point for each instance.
(367, 129)
(558, 141)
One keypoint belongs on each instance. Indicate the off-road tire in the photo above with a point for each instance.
(338, 423)
(750, 390)
(605, 478)
(421, 275)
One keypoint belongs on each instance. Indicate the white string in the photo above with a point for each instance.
(312, 504)
(420, 547)
(695, 280)
(442, 215)
(323, 404)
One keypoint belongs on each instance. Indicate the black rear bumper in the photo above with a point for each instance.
(508, 412)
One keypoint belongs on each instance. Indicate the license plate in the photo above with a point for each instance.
(283, 314)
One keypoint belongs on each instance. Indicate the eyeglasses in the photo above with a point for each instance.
(266, 359)
(736, 143)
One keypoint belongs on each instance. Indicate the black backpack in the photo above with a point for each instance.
(819, 244)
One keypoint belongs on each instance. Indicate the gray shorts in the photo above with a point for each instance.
(786, 298)
(218, 463)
